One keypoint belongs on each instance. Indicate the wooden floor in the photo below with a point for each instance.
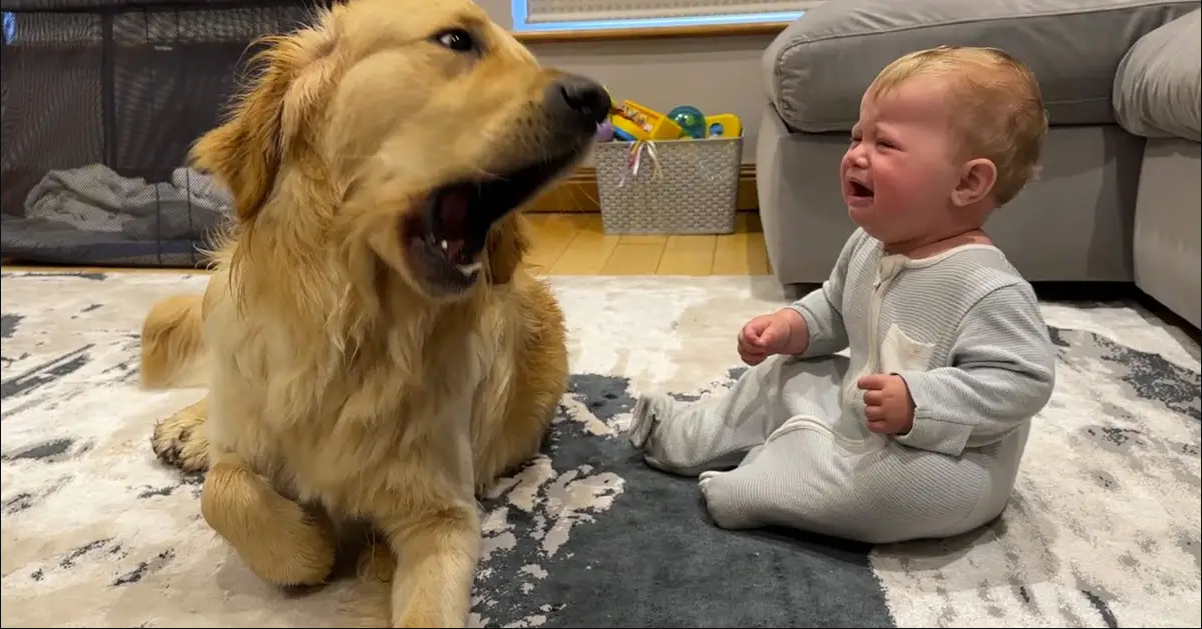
(576, 244)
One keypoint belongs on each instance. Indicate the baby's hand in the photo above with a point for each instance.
(887, 404)
(762, 337)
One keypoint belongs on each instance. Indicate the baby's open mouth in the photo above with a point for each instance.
(860, 190)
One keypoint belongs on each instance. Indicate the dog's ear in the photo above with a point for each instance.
(245, 151)
(507, 244)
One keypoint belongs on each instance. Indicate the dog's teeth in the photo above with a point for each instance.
(443, 244)
(468, 269)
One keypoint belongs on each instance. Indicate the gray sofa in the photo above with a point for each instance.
(1118, 197)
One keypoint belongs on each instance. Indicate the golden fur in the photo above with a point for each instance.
(344, 388)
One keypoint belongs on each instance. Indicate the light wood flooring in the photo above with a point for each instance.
(574, 243)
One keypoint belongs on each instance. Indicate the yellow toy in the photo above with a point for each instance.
(639, 122)
(634, 122)
(723, 125)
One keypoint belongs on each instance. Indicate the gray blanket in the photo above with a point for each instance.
(94, 198)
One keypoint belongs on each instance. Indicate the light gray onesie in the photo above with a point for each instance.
(963, 329)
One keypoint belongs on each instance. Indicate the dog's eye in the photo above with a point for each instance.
(456, 39)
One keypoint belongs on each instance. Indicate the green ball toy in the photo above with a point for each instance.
(690, 120)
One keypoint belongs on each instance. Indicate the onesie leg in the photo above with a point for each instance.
(781, 486)
(870, 490)
(716, 433)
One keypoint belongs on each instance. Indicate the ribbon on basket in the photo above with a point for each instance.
(635, 160)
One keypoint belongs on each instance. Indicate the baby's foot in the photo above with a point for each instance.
(646, 414)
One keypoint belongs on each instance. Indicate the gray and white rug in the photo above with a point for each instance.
(1103, 529)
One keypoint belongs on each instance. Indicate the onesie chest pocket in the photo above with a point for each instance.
(899, 352)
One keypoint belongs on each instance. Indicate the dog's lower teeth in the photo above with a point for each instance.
(468, 269)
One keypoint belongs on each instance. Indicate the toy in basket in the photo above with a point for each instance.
(632, 122)
(674, 173)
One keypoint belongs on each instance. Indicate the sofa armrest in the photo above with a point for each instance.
(817, 69)
(1159, 82)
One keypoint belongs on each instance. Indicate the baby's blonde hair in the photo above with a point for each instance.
(998, 107)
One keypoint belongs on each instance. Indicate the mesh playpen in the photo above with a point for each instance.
(101, 100)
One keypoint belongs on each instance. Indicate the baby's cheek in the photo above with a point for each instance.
(903, 190)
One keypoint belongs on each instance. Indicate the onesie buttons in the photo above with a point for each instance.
(888, 267)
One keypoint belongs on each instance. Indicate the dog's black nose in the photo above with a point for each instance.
(580, 98)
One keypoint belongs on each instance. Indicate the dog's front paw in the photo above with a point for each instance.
(424, 614)
(376, 563)
(427, 605)
(179, 440)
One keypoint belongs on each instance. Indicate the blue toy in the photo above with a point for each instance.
(690, 120)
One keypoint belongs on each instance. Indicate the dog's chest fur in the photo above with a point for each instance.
(321, 417)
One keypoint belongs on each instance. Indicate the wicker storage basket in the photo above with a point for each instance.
(679, 187)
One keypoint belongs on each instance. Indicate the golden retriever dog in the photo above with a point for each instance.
(373, 351)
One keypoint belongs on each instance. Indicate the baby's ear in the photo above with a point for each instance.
(977, 179)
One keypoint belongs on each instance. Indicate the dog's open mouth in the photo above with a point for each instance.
(448, 227)
(450, 235)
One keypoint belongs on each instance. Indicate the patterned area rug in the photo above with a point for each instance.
(1103, 529)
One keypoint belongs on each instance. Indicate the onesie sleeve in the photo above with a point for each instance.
(1002, 373)
(822, 309)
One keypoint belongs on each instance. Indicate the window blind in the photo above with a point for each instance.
(551, 11)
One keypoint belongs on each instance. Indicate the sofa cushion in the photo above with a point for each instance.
(1159, 82)
(817, 69)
